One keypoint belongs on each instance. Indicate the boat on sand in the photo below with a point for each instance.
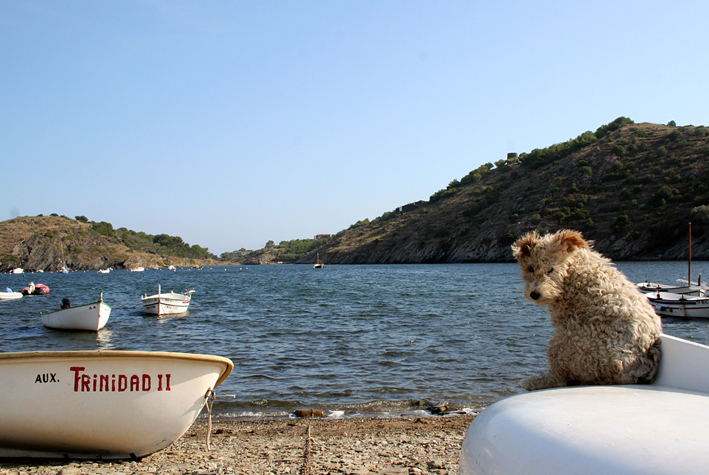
(89, 317)
(166, 303)
(101, 404)
(658, 428)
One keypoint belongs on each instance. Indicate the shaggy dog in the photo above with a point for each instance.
(605, 331)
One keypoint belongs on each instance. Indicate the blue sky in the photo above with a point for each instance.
(231, 123)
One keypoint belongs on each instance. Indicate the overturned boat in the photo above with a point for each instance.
(658, 428)
(101, 404)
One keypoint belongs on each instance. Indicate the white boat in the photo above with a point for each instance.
(687, 289)
(18, 270)
(101, 404)
(137, 269)
(166, 304)
(318, 263)
(679, 305)
(8, 294)
(172, 268)
(104, 271)
(89, 317)
(660, 428)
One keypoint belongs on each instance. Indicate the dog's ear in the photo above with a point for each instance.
(523, 246)
(570, 240)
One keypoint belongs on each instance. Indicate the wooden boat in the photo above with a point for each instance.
(678, 305)
(8, 294)
(166, 304)
(89, 317)
(101, 404)
(318, 263)
(659, 428)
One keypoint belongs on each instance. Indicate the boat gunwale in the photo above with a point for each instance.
(124, 354)
(78, 306)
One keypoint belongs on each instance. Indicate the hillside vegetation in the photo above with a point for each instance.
(632, 188)
(49, 242)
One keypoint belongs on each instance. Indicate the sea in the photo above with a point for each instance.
(349, 340)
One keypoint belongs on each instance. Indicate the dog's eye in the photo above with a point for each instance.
(551, 269)
(531, 270)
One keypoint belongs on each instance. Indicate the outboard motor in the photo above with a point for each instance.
(66, 303)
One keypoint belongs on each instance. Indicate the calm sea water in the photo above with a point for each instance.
(350, 340)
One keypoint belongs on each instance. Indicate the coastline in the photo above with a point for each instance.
(395, 446)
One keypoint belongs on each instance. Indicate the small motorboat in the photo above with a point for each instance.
(679, 305)
(137, 269)
(166, 304)
(104, 271)
(318, 263)
(8, 294)
(658, 428)
(32, 289)
(101, 404)
(687, 289)
(18, 270)
(89, 317)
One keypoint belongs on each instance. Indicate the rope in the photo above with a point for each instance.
(307, 455)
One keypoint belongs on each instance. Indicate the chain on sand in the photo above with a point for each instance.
(307, 455)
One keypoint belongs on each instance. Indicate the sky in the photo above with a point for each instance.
(232, 123)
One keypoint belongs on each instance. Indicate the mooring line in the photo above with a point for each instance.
(307, 454)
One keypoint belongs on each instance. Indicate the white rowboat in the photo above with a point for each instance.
(652, 287)
(89, 317)
(101, 404)
(659, 428)
(166, 304)
(678, 305)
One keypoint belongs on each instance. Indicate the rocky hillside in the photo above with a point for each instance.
(49, 242)
(632, 188)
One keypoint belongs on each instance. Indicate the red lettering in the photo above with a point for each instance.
(167, 382)
(160, 382)
(85, 382)
(103, 385)
(146, 382)
(94, 383)
(76, 370)
(113, 383)
(135, 383)
(122, 382)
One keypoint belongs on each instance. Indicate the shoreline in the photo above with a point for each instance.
(389, 446)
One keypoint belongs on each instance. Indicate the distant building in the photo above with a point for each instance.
(409, 207)
(322, 236)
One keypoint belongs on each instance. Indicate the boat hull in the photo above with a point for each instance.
(677, 305)
(101, 404)
(10, 295)
(659, 428)
(90, 317)
(166, 304)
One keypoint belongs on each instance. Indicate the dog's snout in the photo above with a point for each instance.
(535, 295)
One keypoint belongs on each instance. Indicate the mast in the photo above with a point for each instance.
(689, 269)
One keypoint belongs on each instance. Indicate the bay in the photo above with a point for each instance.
(350, 340)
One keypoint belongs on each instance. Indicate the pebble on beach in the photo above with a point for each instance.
(397, 446)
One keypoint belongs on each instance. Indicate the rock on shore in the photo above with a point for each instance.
(402, 446)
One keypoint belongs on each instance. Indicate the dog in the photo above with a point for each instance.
(605, 331)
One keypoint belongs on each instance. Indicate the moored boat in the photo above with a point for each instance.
(32, 289)
(166, 303)
(8, 294)
(657, 428)
(688, 289)
(137, 269)
(678, 305)
(104, 271)
(101, 404)
(318, 263)
(89, 317)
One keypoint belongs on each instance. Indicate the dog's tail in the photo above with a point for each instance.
(652, 362)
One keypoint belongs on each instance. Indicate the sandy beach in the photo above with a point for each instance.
(401, 446)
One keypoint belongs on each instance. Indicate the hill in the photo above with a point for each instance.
(632, 188)
(49, 242)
